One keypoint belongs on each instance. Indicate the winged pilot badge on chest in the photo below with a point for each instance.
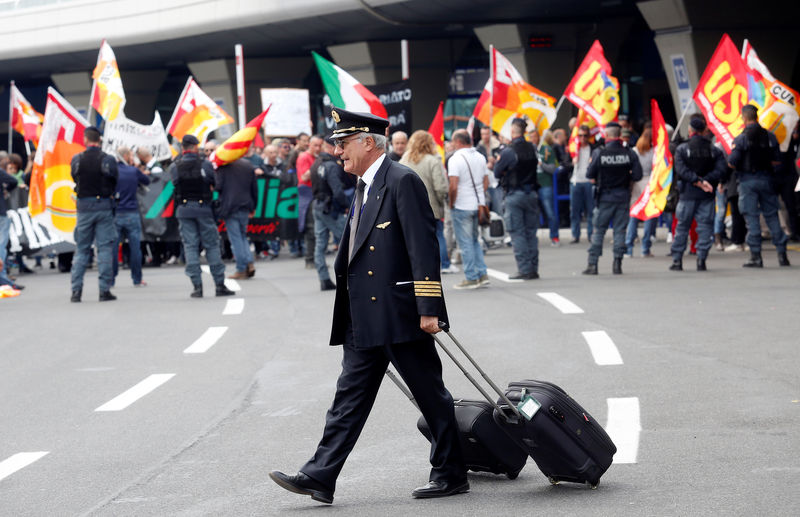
(382, 226)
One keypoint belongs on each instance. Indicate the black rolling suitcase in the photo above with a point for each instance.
(484, 445)
(562, 438)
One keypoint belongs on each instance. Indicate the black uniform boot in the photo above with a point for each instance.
(198, 291)
(677, 265)
(106, 296)
(755, 260)
(783, 260)
(224, 291)
(617, 267)
(76, 296)
(701, 264)
(591, 269)
(327, 285)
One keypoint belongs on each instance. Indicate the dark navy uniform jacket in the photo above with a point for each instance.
(614, 168)
(689, 175)
(394, 275)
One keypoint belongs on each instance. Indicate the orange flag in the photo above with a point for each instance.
(24, 119)
(237, 145)
(51, 201)
(196, 114)
(512, 93)
(593, 88)
(498, 119)
(652, 201)
(437, 129)
(107, 96)
(722, 91)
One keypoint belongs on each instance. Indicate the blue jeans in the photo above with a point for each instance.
(703, 211)
(5, 228)
(94, 226)
(522, 222)
(495, 199)
(756, 195)
(581, 202)
(128, 224)
(605, 212)
(324, 225)
(236, 225)
(722, 207)
(647, 237)
(444, 258)
(465, 226)
(194, 231)
(546, 203)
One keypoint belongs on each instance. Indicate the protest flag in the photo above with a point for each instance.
(237, 145)
(593, 88)
(196, 114)
(24, 119)
(575, 142)
(652, 201)
(437, 130)
(107, 97)
(511, 93)
(344, 91)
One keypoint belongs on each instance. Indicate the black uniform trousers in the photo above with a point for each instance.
(363, 370)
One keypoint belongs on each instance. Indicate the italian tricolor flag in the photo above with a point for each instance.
(344, 91)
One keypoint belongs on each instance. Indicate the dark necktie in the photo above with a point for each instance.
(356, 216)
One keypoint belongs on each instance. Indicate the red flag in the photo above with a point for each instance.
(652, 201)
(437, 129)
(593, 88)
(722, 91)
(237, 145)
(25, 119)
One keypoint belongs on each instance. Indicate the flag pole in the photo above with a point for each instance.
(683, 115)
(404, 58)
(558, 107)
(240, 84)
(491, 90)
(10, 115)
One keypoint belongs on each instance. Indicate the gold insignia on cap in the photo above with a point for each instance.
(335, 116)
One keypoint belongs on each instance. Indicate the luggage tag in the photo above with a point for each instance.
(528, 406)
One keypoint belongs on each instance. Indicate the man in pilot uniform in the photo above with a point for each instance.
(388, 303)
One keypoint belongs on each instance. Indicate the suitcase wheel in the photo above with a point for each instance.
(553, 481)
(593, 487)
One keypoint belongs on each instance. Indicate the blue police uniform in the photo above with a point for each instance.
(613, 167)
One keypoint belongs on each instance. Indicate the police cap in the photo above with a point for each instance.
(189, 140)
(351, 122)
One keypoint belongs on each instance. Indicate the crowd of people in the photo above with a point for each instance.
(715, 200)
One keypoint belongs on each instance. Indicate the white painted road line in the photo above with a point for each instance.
(234, 306)
(561, 303)
(624, 428)
(501, 276)
(19, 461)
(127, 398)
(603, 349)
(231, 284)
(206, 341)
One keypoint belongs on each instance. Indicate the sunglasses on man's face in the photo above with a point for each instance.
(583, 135)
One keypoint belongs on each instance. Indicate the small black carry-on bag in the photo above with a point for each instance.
(544, 422)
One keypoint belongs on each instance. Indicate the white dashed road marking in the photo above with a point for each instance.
(233, 306)
(603, 349)
(501, 276)
(206, 341)
(127, 398)
(624, 428)
(19, 461)
(231, 284)
(561, 303)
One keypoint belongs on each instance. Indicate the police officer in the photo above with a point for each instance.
(328, 184)
(95, 174)
(388, 302)
(754, 155)
(700, 167)
(613, 169)
(193, 177)
(516, 171)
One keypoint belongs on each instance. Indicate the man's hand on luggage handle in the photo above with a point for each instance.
(429, 324)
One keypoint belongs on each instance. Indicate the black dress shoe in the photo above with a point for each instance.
(518, 276)
(783, 260)
(755, 260)
(224, 291)
(616, 268)
(677, 265)
(531, 276)
(106, 296)
(440, 489)
(304, 485)
(591, 269)
(76, 296)
(701, 264)
(327, 285)
(197, 292)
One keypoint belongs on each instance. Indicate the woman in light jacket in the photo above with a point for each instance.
(421, 157)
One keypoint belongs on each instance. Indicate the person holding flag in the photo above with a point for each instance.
(700, 167)
(754, 156)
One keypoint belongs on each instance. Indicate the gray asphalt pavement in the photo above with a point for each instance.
(709, 360)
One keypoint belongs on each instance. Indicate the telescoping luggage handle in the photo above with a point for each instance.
(446, 328)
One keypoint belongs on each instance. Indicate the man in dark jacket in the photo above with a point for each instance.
(613, 169)
(330, 205)
(95, 176)
(700, 167)
(127, 220)
(238, 195)
(754, 156)
(193, 177)
(388, 302)
(7, 184)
